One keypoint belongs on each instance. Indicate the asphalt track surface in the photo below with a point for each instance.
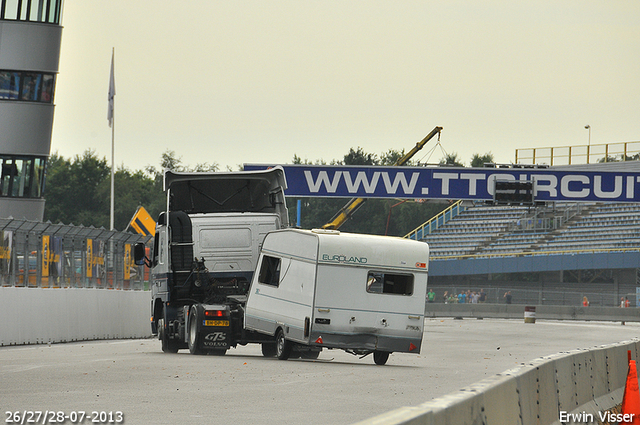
(242, 387)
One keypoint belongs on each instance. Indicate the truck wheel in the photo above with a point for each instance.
(194, 336)
(269, 349)
(283, 347)
(380, 357)
(168, 345)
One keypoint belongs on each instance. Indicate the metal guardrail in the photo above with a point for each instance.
(436, 222)
(544, 312)
(45, 255)
(533, 253)
(589, 154)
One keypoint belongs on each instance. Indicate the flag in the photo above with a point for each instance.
(112, 92)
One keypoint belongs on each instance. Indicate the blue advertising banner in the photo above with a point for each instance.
(455, 182)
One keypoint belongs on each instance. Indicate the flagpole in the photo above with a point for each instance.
(112, 122)
(113, 149)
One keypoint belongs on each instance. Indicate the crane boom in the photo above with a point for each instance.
(354, 204)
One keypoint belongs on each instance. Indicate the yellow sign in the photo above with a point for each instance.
(128, 262)
(46, 255)
(143, 223)
(89, 258)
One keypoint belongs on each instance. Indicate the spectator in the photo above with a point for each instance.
(462, 298)
(445, 297)
(585, 302)
(431, 296)
(507, 297)
(483, 297)
(474, 297)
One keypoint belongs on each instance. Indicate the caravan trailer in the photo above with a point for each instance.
(316, 289)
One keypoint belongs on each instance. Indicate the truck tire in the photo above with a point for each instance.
(194, 335)
(168, 345)
(283, 347)
(380, 357)
(269, 349)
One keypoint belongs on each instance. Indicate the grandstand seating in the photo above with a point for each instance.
(484, 230)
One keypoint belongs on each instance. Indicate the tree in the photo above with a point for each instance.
(451, 159)
(78, 192)
(392, 156)
(133, 189)
(360, 157)
(479, 161)
(71, 195)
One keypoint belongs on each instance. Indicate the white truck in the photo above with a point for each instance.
(326, 289)
(205, 250)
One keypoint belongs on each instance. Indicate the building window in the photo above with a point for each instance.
(389, 283)
(46, 11)
(21, 177)
(26, 86)
(9, 85)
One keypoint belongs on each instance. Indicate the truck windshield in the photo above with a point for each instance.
(221, 195)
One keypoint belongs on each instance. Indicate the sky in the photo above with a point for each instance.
(234, 82)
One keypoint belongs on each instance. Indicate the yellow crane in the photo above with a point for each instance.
(354, 204)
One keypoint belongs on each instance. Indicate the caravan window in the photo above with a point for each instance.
(389, 283)
(269, 271)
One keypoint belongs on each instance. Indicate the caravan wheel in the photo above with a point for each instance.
(380, 357)
(283, 347)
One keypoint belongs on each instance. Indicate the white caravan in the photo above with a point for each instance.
(317, 289)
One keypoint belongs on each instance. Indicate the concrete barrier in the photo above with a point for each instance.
(39, 315)
(581, 383)
(549, 312)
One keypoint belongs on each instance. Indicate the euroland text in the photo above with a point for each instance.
(590, 418)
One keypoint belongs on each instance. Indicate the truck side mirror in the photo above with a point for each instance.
(139, 254)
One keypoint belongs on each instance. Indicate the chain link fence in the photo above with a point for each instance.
(519, 295)
(45, 255)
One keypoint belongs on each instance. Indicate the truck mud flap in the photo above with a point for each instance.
(215, 338)
(214, 331)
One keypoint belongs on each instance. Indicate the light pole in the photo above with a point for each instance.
(588, 127)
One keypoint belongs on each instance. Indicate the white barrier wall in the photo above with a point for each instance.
(40, 315)
(580, 382)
